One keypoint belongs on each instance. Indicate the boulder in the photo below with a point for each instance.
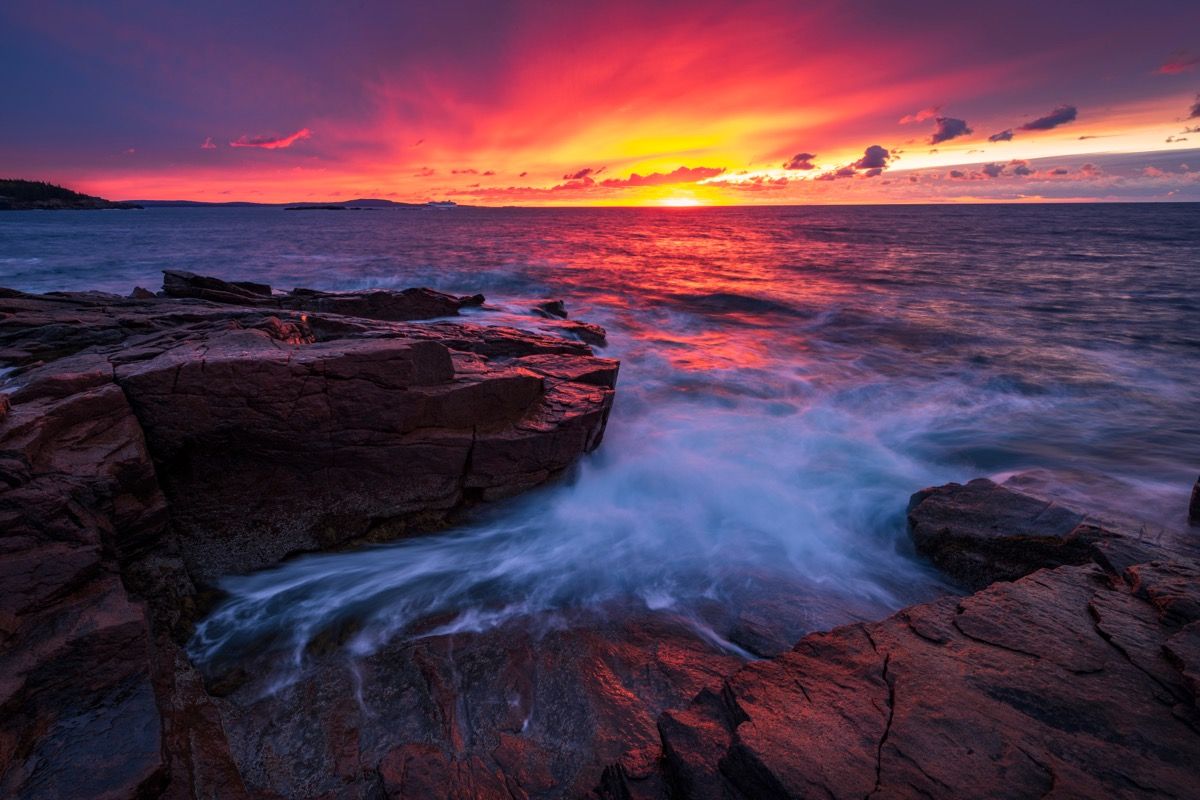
(981, 532)
(556, 309)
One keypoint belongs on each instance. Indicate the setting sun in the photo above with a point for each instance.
(679, 202)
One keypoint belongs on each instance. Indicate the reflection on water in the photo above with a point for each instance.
(789, 377)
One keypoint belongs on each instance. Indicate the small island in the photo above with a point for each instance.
(22, 195)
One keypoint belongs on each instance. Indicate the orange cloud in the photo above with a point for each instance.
(679, 175)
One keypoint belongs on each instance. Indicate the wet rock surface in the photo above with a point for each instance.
(148, 445)
(1072, 681)
(511, 712)
(1056, 683)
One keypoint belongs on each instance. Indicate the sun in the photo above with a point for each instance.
(679, 202)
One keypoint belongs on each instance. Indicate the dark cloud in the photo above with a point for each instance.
(1002, 136)
(271, 142)
(523, 174)
(993, 170)
(579, 175)
(680, 175)
(843, 172)
(1060, 171)
(872, 164)
(464, 171)
(489, 172)
(1020, 168)
(949, 128)
(1194, 112)
(1059, 116)
(1179, 61)
(874, 157)
(801, 161)
(957, 173)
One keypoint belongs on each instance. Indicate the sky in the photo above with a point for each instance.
(605, 103)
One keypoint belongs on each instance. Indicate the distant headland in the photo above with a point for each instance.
(19, 195)
(23, 195)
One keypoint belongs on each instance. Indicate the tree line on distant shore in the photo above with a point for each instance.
(19, 195)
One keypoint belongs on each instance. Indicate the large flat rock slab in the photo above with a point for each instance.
(272, 435)
(1069, 682)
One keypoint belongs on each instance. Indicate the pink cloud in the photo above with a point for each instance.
(271, 142)
(921, 116)
(208, 144)
(1179, 61)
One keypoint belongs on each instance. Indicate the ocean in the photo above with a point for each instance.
(789, 377)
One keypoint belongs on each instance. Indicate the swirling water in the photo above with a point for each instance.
(789, 376)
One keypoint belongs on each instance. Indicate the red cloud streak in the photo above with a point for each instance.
(271, 142)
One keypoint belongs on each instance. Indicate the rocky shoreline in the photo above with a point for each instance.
(150, 444)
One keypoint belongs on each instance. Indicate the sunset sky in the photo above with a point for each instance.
(640, 103)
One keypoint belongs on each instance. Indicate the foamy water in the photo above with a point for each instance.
(789, 377)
